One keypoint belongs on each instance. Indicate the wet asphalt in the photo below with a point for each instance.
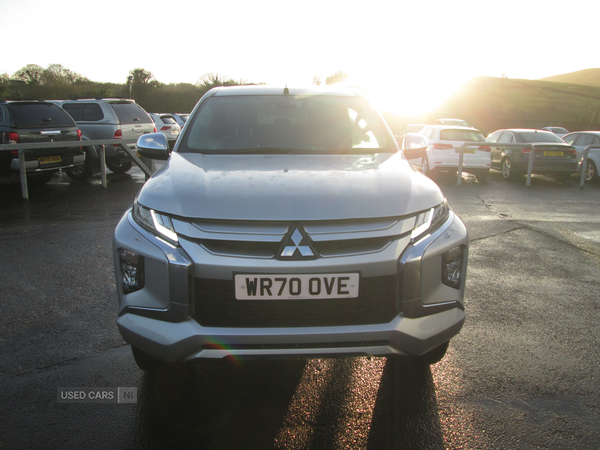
(524, 372)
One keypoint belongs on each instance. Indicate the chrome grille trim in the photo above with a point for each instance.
(258, 239)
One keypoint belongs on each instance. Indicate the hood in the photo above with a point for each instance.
(288, 187)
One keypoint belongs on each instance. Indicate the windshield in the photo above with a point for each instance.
(273, 124)
(40, 115)
(536, 136)
(461, 135)
(559, 130)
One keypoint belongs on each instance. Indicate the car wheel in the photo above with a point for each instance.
(481, 175)
(425, 170)
(591, 171)
(82, 173)
(507, 170)
(40, 179)
(424, 165)
(431, 357)
(146, 362)
(561, 177)
(119, 167)
(434, 356)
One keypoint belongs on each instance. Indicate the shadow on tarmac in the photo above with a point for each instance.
(230, 405)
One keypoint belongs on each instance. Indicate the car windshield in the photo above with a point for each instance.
(168, 120)
(40, 115)
(130, 113)
(461, 135)
(285, 124)
(537, 136)
(559, 130)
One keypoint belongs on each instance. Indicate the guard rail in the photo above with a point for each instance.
(123, 143)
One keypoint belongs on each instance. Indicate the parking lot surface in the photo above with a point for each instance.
(522, 374)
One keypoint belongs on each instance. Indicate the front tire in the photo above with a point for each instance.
(481, 174)
(425, 170)
(434, 356)
(82, 173)
(507, 169)
(562, 177)
(146, 362)
(591, 171)
(119, 167)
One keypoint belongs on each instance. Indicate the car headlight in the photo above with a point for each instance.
(158, 223)
(429, 220)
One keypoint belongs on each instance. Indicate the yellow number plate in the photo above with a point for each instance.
(553, 153)
(50, 159)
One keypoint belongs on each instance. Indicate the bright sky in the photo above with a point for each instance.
(407, 55)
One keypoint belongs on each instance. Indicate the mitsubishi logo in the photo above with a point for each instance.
(292, 247)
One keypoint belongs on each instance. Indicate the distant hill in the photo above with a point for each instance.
(493, 103)
(490, 104)
(588, 77)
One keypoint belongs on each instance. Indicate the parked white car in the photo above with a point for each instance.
(559, 131)
(166, 124)
(444, 142)
(180, 118)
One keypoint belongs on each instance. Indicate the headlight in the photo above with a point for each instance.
(429, 220)
(157, 223)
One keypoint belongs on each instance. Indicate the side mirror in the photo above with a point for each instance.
(153, 146)
(414, 146)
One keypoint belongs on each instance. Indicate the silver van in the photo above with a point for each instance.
(288, 223)
(107, 118)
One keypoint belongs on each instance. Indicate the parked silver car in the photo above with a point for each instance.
(580, 140)
(288, 223)
(107, 118)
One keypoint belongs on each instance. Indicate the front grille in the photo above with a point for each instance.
(216, 306)
(264, 239)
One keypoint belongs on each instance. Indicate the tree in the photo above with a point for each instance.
(211, 80)
(141, 76)
(317, 80)
(3, 84)
(337, 77)
(57, 73)
(31, 74)
(143, 84)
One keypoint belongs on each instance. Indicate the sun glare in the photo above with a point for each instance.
(408, 96)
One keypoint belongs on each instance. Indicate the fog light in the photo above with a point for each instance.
(452, 264)
(132, 271)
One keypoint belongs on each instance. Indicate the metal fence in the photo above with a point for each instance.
(147, 166)
(532, 148)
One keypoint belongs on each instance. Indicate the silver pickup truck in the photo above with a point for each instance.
(288, 223)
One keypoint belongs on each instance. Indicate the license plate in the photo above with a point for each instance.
(175, 131)
(296, 287)
(49, 159)
(553, 153)
(466, 150)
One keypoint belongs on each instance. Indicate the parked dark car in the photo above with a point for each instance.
(107, 118)
(553, 156)
(29, 122)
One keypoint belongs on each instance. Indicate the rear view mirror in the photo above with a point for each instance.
(153, 146)
(414, 146)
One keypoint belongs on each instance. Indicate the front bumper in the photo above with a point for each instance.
(160, 319)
